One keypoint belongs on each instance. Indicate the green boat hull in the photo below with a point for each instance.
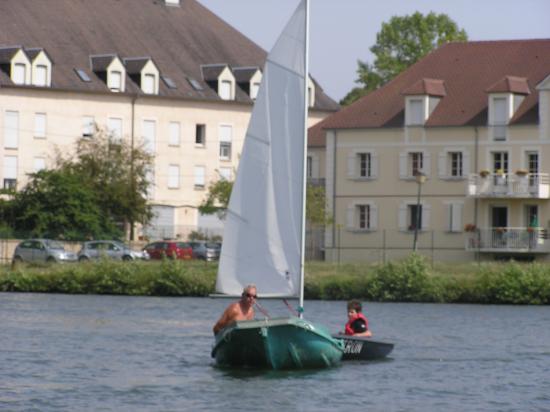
(283, 343)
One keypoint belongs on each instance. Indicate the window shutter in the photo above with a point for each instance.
(457, 217)
(11, 130)
(442, 165)
(402, 218)
(426, 167)
(426, 209)
(403, 165)
(374, 165)
(350, 221)
(466, 163)
(373, 217)
(351, 165)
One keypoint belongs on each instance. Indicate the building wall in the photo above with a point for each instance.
(65, 112)
(389, 192)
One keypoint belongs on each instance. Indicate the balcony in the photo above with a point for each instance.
(508, 240)
(509, 185)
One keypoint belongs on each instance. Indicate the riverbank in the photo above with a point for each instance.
(411, 280)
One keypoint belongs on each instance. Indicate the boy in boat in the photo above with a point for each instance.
(358, 324)
(241, 310)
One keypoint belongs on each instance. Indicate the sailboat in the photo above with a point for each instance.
(265, 222)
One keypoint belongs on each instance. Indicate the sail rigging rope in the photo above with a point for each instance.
(260, 307)
(291, 309)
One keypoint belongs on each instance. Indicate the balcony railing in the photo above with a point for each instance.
(509, 185)
(509, 240)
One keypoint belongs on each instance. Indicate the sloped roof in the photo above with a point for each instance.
(178, 39)
(134, 65)
(510, 84)
(101, 62)
(430, 87)
(211, 72)
(7, 53)
(244, 74)
(468, 69)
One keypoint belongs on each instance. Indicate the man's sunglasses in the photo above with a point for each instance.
(249, 295)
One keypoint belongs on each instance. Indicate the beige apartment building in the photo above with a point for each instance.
(455, 151)
(167, 74)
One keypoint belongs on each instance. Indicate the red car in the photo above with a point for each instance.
(170, 249)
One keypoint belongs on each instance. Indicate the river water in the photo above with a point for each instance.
(116, 353)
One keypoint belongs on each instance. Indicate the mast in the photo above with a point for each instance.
(304, 165)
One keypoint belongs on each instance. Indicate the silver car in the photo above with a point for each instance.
(206, 250)
(109, 249)
(42, 250)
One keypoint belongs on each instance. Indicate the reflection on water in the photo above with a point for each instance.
(119, 353)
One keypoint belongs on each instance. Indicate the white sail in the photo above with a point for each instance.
(263, 228)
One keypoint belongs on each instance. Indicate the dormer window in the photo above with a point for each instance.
(18, 75)
(421, 99)
(225, 90)
(41, 67)
(15, 62)
(220, 78)
(249, 80)
(110, 69)
(115, 81)
(144, 72)
(254, 90)
(311, 92)
(505, 97)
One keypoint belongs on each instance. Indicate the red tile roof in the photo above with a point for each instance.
(468, 69)
(510, 84)
(430, 87)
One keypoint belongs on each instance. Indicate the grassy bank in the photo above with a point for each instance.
(411, 280)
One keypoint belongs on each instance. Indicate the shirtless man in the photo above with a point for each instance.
(241, 310)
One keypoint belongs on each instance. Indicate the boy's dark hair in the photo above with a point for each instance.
(355, 305)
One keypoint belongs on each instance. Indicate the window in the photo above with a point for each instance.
(39, 164)
(115, 81)
(114, 125)
(169, 82)
(225, 173)
(415, 217)
(365, 169)
(174, 134)
(500, 118)
(173, 177)
(225, 90)
(149, 135)
(88, 126)
(10, 172)
(416, 112)
(200, 134)
(225, 142)
(11, 130)
(500, 162)
(309, 167)
(199, 177)
(83, 75)
(40, 125)
(194, 84)
(363, 216)
(254, 90)
(455, 159)
(416, 160)
(533, 167)
(454, 217)
(149, 84)
(41, 76)
(19, 71)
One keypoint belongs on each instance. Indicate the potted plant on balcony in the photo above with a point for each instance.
(469, 227)
(522, 172)
(484, 173)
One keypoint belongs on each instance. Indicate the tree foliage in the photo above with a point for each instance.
(400, 43)
(91, 193)
(217, 200)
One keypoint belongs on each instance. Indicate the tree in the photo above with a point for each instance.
(217, 200)
(118, 173)
(59, 203)
(399, 44)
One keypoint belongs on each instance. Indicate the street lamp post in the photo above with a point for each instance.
(420, 179)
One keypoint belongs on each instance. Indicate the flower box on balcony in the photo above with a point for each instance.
(470, 227)
(521, 172)
(484, 173)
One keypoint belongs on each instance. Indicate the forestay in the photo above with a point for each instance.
(263, 225)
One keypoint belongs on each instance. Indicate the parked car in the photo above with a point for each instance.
(42, 250)
(109, 249)
(169, 248)
(206, 250)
